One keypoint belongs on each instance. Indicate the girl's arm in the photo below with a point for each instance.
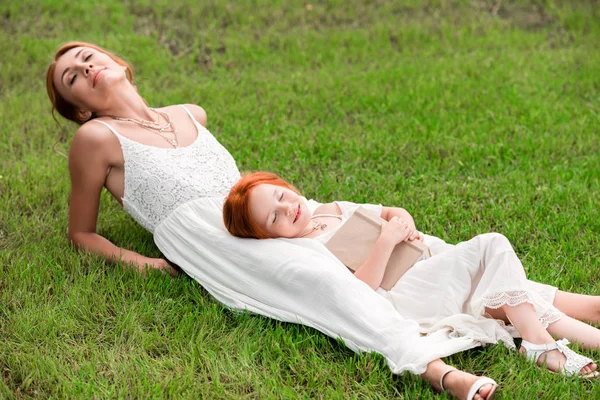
(372, 270)
(88, 166)
(388, 213)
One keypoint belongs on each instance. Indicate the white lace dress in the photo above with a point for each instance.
(178, 195)
(452, 288)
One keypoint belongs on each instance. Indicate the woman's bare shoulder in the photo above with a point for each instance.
(198, 113)
(92, 138)
(92, 132)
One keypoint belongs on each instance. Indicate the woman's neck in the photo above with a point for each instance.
(124, 101)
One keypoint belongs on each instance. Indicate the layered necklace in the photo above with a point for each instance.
(155, 126)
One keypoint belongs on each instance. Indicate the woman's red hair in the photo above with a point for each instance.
(236, 210)
(64, 108)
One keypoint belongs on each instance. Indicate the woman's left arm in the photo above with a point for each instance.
(388, 213)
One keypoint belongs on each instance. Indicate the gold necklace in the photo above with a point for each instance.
(317, 225)
(155, 125)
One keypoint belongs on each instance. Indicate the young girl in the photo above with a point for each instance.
(476, 289)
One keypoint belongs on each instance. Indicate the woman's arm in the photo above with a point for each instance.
(88, 167)
(388, 213)
(393, 232)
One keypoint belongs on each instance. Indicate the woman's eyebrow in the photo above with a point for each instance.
(69, 68)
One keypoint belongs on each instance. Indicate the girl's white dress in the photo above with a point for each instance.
(451, 288)
(177, 194)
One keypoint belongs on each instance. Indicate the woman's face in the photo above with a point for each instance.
(83, 75)
(280, 212)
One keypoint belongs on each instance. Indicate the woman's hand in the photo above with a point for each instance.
(396, 230)
(158, 263)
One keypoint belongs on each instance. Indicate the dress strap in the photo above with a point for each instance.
(108, 126)
(326, 215)
(198, 124)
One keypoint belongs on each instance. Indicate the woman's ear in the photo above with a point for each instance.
(83, 115)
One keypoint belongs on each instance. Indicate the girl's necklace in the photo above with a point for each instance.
(319, 225)
(316, 226)
(155, 126)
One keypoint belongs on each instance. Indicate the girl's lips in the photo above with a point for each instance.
(298, 213)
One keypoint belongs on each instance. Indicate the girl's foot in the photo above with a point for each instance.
(559, 358)
(461, 385)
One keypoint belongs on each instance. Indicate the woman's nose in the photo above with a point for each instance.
(86, 68)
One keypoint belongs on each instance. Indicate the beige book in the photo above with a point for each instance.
(355, 239)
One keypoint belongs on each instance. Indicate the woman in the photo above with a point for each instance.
(170, 174)
(449, 286)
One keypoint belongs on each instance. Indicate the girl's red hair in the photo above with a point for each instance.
(236, 210)
(64, 108)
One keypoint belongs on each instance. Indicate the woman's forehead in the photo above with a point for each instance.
(71, 53)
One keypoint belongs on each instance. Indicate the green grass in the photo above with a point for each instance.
(474, 117)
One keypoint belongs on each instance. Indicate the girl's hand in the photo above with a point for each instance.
(415, 235)
(396, 230)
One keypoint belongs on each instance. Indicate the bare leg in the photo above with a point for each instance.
(497, 313)
(566, 327)
(524, 319)
(578, 306)
(576, 331)
(457, 383)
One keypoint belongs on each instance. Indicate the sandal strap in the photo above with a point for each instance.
(534, 351)
(446, 372)
(478, 384)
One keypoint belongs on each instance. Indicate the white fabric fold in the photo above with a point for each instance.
(296, 281)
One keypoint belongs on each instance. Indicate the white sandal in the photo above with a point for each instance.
(475, 387)
(575, 362)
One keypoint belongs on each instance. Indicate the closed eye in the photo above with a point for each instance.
(274, 218)
(75, 75)
(281, 197)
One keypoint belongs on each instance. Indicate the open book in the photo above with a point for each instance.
(355, 239)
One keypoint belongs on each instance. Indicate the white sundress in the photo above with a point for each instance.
(177, 194)
(451, 288)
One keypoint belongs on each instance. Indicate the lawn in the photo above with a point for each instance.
(476, 116)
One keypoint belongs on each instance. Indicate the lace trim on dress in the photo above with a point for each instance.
(497, 300)
(550, 316)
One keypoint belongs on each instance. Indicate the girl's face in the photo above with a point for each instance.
(280, 212)
(83, 76)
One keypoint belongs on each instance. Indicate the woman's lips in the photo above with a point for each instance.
(96, 78)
